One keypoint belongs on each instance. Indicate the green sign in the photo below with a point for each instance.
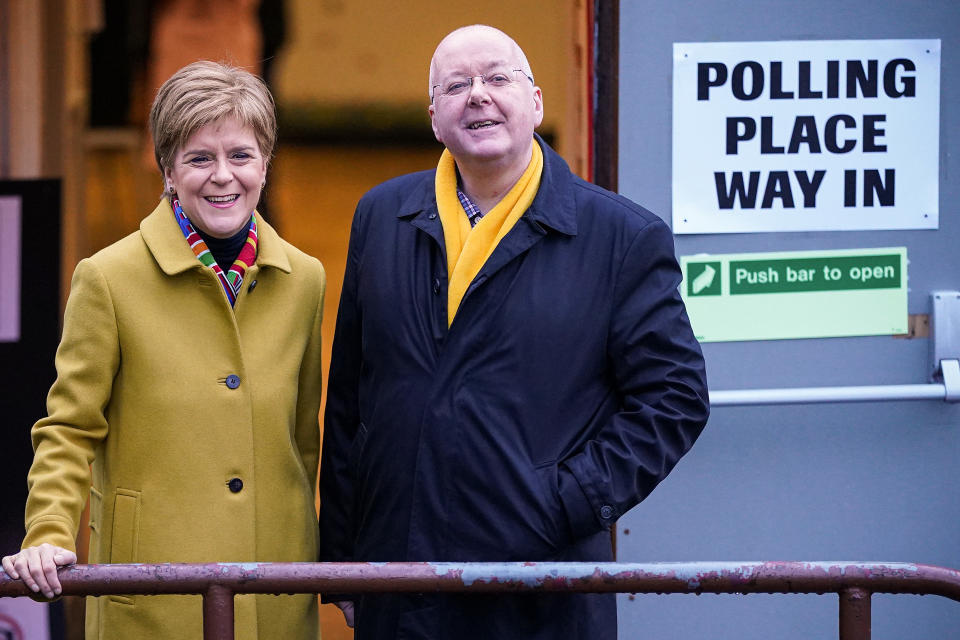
(805, 294)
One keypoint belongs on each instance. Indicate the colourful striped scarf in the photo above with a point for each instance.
(232, 280)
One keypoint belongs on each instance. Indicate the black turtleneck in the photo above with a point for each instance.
(225, 250)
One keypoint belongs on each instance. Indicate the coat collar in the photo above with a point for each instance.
(421, 199)
(165, 240)
(553, 206)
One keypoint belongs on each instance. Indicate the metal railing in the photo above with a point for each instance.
(218, 583)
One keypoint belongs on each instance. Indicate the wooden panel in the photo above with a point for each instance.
(25, 50)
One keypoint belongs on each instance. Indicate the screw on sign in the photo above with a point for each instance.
(9, 629)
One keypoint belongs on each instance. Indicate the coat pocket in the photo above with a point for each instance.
(126, 532)
(96, 509)
(96, 520)
(551, 508)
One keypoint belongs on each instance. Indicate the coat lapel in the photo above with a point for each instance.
(169, 248)
(420, 209)
(552, 211)
(166, 242)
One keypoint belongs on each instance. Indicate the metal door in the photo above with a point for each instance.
(872, 481)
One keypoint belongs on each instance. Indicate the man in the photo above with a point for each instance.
(503, 391)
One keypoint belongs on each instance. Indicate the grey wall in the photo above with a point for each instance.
(861, 482)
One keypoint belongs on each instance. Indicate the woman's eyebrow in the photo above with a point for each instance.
(239, 147)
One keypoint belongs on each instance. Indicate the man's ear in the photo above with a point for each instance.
(538, 101)
(433, 124)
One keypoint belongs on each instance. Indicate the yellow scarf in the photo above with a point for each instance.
(469, 247)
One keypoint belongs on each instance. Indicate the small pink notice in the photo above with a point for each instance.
(10, 223)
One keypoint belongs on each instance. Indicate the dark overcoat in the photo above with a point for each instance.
(567, 387)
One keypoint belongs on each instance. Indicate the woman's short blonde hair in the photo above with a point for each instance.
(205, 92)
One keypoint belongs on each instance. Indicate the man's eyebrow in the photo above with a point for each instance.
(460, 71)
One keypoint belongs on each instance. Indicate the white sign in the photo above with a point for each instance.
(806, 136)
(9, 270)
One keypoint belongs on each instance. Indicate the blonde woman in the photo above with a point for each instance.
(189, 375)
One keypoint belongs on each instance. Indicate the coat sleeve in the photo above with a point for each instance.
(657, 368)
(64, 442)
(310, 388)
(342, 416)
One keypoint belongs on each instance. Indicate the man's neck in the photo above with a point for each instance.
(487, 184)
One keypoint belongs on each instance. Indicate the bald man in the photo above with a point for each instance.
(513, 368)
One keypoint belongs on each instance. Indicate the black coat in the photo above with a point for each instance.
(566, 389)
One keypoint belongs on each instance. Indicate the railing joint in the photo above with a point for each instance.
(218, 613)
(855, 613)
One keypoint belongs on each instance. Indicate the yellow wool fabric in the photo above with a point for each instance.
(166, 434)
(469, 247)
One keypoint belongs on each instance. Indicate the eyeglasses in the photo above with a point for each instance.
(496, 79)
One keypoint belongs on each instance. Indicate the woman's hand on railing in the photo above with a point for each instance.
(37, 567)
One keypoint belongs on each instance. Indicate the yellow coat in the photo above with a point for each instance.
(149, 341)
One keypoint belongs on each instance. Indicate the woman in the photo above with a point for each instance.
(189, 374)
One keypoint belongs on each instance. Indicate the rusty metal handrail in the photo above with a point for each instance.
(218, 583)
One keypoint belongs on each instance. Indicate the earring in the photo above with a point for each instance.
(263, 184)
(171, 189)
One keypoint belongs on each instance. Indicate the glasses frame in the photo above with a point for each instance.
(483, 80)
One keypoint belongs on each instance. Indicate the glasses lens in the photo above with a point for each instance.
(457, 86)
(499, 78)
(496, 78)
